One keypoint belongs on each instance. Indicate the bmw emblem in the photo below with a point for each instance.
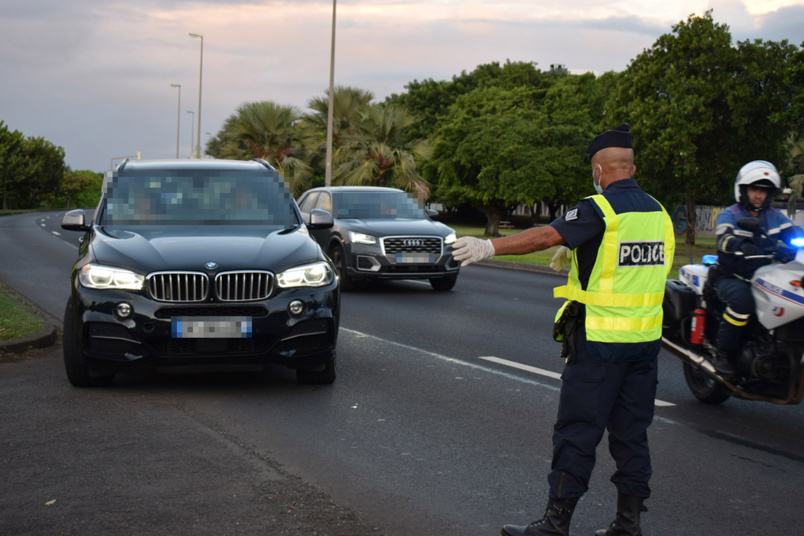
(211, 265)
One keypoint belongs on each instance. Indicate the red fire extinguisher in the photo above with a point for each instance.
(698, 325)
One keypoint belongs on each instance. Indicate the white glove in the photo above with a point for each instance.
(468, 249)
(561, 259)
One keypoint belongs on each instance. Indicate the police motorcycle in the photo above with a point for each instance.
(771, 362)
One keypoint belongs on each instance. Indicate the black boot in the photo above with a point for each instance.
(627, 521)
(723, 365)
(556, 521)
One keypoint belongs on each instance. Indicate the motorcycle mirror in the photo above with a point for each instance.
(750, 224)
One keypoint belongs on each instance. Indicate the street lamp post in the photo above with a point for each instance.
(192, 128)
(328, 168)
(178, 119)
(200, 71)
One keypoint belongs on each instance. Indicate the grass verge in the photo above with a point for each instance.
(16, 319)
(684, 254)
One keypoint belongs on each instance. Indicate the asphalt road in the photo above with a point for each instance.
(439, 423)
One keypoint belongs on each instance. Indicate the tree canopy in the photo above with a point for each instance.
(31, 169)
(700, 108)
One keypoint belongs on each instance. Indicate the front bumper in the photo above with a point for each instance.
(369, 262)
(145, 339)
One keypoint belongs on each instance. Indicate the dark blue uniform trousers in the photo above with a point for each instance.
(737, 296)
(597, 395)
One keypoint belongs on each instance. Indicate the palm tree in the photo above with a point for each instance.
(269, 131)
(347, 105)
(378, 154)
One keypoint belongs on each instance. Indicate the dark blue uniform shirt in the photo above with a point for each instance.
(582, 228)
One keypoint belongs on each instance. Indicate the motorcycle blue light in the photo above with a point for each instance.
(709, 259)
(797, 242)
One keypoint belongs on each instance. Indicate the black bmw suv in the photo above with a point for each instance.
(382, 233)
(199, 265)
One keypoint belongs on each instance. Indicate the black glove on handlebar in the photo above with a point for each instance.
(784, 253)
(749, 248)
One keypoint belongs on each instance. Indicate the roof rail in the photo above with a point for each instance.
(264, 163)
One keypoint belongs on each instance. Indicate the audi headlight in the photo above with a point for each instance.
(450, 239)
(105, 277)
(360, 238)
(310, 275)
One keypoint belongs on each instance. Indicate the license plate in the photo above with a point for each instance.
(414, 258)
(211, 327)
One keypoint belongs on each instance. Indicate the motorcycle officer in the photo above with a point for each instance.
(741, 252)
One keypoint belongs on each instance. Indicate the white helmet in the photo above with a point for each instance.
(758, 173)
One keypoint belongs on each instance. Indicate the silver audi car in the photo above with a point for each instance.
(382, 233)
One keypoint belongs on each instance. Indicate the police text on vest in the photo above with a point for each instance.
(641, 254)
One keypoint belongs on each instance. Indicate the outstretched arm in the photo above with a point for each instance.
(468, 249)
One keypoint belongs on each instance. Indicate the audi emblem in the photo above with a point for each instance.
(413, 242)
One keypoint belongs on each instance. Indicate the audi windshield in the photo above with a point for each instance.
(386, 205)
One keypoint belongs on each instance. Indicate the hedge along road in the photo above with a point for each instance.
(439, 423)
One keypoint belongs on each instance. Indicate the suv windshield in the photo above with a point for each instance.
(197, 198)
(377, 205)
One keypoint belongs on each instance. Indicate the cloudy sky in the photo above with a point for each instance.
(94, 76)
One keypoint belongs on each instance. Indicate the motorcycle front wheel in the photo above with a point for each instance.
(705, 388)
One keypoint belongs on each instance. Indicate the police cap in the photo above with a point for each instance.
(619, 136)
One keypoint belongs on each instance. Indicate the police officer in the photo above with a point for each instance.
(741, 252)
(622, 247)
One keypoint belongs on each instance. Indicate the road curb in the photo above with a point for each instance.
(46, 337)
(47, 334)
(522, 266)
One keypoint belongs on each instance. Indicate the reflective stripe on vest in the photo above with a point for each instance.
(626, 287)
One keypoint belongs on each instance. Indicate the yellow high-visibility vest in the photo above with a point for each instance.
(626, 287)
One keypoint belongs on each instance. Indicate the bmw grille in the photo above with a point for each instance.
(178, 286)
(243, 286)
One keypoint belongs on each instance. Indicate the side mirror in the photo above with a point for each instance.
(430, 212)
(750, 224)
(319, 219)
(74, 221)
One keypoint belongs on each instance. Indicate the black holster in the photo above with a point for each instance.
(565, 327)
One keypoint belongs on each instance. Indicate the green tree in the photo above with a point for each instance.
(430, 99)
(81, 188)
(378, 153)
(30, 169)
(269, 131)
(45, 171)
(11, 160)
(484, 150)
(571, 114)
(701, 108)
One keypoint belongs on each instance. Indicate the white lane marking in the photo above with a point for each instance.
(55, 233)
(549, 374)
(520, 366)
(452, 360)
(498, 360)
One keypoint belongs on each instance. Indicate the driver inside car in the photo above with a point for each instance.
(741, 252)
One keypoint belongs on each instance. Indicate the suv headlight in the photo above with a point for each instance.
(310, 275)
(105, 277)
(450, 239)
(360, 238)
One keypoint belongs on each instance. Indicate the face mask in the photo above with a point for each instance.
(597, 186)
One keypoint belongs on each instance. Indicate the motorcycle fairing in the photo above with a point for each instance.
(777, 301)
